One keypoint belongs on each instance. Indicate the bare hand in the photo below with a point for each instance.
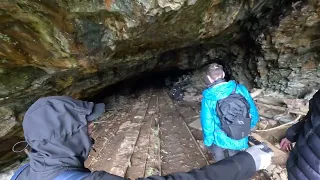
(285, 144)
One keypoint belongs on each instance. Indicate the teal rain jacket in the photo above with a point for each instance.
(211, 126)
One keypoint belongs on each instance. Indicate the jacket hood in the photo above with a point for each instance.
(56, 130)
(219, 91)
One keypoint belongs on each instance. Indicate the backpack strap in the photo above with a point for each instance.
(234, 90)
(72, 175)
(18, 172)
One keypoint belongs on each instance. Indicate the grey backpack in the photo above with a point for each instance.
(233, 112)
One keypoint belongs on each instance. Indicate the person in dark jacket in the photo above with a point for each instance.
(304, 160)
(219, 144)
(58, 128)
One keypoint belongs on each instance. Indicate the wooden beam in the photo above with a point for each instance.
(280, 157)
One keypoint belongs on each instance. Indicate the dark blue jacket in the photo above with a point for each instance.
(304, 160)
(211, 126)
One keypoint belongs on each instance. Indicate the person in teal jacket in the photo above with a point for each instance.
(215, 139)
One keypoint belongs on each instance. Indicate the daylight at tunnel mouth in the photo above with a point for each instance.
(146, 60)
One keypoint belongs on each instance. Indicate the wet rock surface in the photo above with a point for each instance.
(76, 48)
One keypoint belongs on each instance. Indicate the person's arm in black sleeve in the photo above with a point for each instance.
(238, 167)
(294, 131)
(241, 166)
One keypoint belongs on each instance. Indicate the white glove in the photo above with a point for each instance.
(261, 158)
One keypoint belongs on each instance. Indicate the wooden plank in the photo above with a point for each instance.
(179, 151)
(140, 154)
(116, 144)
(280, 157)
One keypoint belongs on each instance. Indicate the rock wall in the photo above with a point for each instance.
(76, 47)
(290, 61)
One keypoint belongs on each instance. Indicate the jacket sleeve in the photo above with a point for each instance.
(240, 166)
(207, 122)
(253, 109)
(294, 131)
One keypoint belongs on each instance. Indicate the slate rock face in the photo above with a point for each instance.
(290, 62)
(77, 47)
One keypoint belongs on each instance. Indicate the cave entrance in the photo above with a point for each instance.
(135, 85)
(157, 79)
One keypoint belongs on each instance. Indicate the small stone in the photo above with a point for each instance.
(271, 167)
(151, 112)
(193, 93)
(6, 113)
(276, 176)
(191, 90)
(283, 176)
(191, 2)
(278, 170)
(138, 117)
(262, 124)
(8, 121)
(273, 123)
